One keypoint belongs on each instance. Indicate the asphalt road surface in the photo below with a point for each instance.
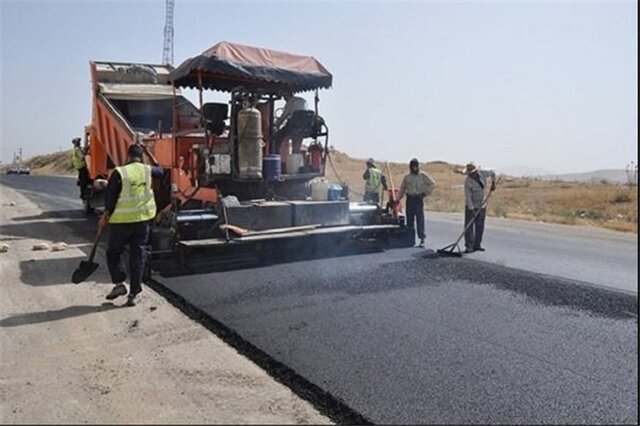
(523, 333)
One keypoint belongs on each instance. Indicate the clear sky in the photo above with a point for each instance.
(546, 85)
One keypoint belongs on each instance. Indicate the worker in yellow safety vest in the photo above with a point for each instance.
(374, 182)
(80, 165)
(129, 209)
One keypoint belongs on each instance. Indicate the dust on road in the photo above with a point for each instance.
(68, 356)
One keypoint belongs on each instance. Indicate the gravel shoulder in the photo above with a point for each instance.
(69, 356)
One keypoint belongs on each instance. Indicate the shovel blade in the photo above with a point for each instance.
(85, 269)
(449, 252)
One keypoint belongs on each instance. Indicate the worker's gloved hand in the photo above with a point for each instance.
(493, 185)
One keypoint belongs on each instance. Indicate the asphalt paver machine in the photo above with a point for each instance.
(230, 196)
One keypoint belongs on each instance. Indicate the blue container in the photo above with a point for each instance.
(334, 192)
(271, 167)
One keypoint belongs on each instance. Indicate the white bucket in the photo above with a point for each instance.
(320, 190)
(294, 162)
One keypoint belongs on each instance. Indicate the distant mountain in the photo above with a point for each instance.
(522, 171)
(595, 176)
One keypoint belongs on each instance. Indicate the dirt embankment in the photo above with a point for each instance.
(69, 356)
(613, 206)
(57, 163)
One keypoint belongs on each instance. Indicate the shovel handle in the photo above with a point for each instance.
(96, 241)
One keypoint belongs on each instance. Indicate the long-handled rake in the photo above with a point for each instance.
(453, 249)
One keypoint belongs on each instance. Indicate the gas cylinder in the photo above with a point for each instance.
(316, 157)
(249, 125)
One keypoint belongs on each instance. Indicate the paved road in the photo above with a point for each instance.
(407, 337)
(592, 255)
(57, 197)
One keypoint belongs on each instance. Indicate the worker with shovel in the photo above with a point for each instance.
(475, 206)
(129, 209)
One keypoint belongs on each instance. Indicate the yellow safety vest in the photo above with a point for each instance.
(77, 159)
(374, 182)
(136, 202)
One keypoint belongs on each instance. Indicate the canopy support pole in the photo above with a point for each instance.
(200, 88)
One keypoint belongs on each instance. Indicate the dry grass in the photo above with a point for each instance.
(603, 205)
(58, 163)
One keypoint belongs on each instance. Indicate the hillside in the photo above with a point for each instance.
(596, 176)
(57, 163)
(602, 204)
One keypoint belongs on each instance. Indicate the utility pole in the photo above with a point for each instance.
(167, 51)
(632, 173)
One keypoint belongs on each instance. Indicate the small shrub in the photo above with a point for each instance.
(585, 214)
(500, 210)
(621, 197)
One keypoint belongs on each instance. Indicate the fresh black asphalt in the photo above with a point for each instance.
(405, 336)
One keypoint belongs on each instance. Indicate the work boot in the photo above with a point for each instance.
(117, 291)
(468, 251)
(479, 249)
(131, 299)
(421, 243)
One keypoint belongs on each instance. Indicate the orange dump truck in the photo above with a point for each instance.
(230, 196)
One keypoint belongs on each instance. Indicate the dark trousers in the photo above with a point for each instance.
(473, 236)
(136, 236)
(83, 181)
(371, 197)
(415, 212)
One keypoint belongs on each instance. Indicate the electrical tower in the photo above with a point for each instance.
(167, 51)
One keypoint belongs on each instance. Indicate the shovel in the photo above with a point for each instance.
(87, 267)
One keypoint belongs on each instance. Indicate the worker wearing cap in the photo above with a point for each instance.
(80, 165)
(474, 195)
(374, 182)
(416, 185)
(129, 209)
